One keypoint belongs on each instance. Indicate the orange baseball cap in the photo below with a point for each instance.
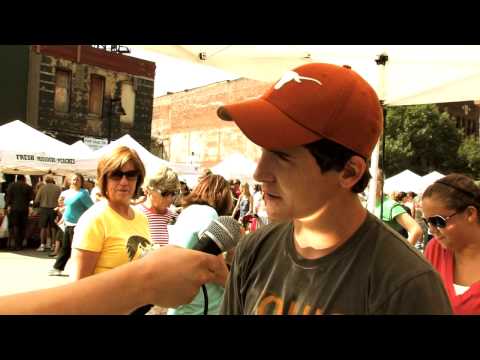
(312, 102)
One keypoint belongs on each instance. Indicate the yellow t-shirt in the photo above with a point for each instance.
(117, 239)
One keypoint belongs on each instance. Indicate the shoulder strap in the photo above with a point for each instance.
(391, 210)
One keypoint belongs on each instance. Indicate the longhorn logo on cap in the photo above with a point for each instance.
(293, 76)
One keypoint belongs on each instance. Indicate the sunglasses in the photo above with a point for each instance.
(118, 175)
(167, 193)
(438, 221)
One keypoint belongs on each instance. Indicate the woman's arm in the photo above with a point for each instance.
(84, 263)
(250, 205)
(86, 200)
(414, 230)
(235, 209)
(167, 277)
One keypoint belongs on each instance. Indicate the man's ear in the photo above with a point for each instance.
(352, 172)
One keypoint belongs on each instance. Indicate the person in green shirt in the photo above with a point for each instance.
(395, 216)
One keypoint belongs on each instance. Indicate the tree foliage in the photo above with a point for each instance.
(469, 154)
(422, 139)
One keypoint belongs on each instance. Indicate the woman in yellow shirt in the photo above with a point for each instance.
(112, 232)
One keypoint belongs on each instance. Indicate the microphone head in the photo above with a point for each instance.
(224, 231)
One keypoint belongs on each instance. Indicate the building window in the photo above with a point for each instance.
(63, 80)
(97, 90)
(128, 103)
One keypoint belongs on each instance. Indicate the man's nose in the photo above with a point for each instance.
(263, 172)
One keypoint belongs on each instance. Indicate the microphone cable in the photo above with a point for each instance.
(205, 300)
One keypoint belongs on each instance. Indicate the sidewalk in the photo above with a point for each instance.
(27, 270)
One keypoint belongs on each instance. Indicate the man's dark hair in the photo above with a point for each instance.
(332, 156)
(21, 178)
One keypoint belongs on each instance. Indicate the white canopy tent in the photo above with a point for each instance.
(236, 166)
(152, 163)
(81, 149)
(405, 181)
(24, 150)
(405, 75)
(428, 180)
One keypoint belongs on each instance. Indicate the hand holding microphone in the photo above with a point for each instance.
(171, 276)
(184, 271)
(220, 236)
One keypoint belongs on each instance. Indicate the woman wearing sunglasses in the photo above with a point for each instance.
(451, 210)
(160, 189)
(112, 232)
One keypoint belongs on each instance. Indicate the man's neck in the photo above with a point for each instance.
(320, 235)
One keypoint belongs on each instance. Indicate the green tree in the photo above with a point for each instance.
(421, 139)
(469, 154)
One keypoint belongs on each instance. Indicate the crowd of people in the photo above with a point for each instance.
(126, 215)
(308, 246)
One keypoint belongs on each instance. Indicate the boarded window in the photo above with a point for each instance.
(128, 103)
(62, 90)
(97, 89)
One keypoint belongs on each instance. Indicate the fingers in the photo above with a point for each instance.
(217, 270)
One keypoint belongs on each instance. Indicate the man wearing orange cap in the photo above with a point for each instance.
(324, 253)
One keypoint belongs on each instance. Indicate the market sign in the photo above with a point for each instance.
(95, 143)
(44, 159)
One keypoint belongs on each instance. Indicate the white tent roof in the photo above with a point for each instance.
(151, 162)
(235, 166)
(429, 179)
(81, 149)
(26, 150)
(414, 74)
(405, 181)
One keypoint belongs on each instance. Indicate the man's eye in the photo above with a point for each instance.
(281, 155)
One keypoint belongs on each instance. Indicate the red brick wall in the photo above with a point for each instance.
(187, 122)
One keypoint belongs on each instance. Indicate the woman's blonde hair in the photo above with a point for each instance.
(114, 161)
(245, 188)
(165, 179)
(214, 191)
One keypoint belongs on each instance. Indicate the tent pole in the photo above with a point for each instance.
(384, 109)
(371, 200)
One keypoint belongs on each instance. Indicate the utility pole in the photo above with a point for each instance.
(114, 103)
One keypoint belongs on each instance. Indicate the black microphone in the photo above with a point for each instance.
(221, 235)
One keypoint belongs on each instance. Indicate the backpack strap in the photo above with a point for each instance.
(391, 210)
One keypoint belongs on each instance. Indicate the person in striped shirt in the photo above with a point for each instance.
(160, 190)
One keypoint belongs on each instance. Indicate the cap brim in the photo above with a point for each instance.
(266, 125)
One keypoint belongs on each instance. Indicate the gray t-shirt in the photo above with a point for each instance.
(48, 196)
(374, 272)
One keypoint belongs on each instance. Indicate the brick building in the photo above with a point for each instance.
(466, 114)
(186, 127)
(77, 91)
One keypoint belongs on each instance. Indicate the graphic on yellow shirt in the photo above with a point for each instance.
(132, 246)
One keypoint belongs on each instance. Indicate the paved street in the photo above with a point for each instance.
(27, 270)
